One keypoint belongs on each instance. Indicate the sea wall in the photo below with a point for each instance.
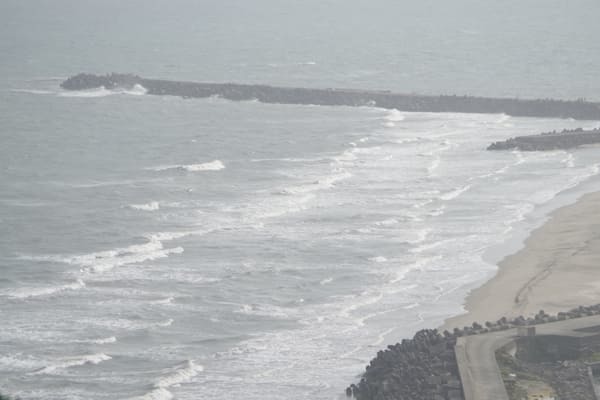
(425, 367)
(546, 108)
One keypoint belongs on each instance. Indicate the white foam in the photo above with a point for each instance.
(89, 93)
(180, 374)
(103, 261)
(166, 323)
(156, 394)
(215, 165)
(25, 293)
(69, 362)
(454, 193)
(136, 90)
(11, 362)
(569, 160)
(321, 184)
(31, 91)
(438, 211)
(107, 340)
(395, 116)
(431, 246)
(168, 300)
(152, 206)
(433, 166)
(326, 281)
(421, 236)
(378, 259)
(387, 222)
(173, 377)
(266, 310)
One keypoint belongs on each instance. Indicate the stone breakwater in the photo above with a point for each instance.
(565, 139)
(546, 108)
(425, 367)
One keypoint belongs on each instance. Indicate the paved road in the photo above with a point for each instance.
(475, 355)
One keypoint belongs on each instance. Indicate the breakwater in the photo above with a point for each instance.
(543, 108)
(565, 139)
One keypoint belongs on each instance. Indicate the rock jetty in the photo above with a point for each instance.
(581, 110)
(565, 139)
(422, 368)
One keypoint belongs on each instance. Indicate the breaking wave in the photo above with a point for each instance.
(102, 261)
(25, 293)
(31, 91)
(215, 165)
(173, 377)
(320, 184)
(136, 90)
(152, 206)
(395, 116)
(69, 362)
(454, 193)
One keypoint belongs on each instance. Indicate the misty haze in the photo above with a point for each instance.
(280, 199)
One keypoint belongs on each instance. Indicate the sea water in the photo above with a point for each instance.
(157, 247)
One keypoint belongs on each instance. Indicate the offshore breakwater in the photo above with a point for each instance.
(565, 139)
(542, 108)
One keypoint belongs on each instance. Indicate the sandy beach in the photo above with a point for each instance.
(557, 269)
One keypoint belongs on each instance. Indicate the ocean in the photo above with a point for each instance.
(158, 247)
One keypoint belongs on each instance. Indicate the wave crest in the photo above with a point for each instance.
(215, 165)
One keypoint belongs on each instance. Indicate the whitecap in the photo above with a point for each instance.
(421, 236)
(437, 212)
(378, 259)
(106, 260)
(180, 374)
(320, 184)
(172, 377)
(152, 206)
(31, 91)
(156, 394)
(11, 362)
(25, 293)
(215, 165)
(395, 116)
(569, 160)
(89, 93)
(69, 362)
(136, 90)
(454, 193)
(168, 300)
(166, 323)
(433, 166)
(387, 222)
(265, 310)
(326, 281)
(107, 340)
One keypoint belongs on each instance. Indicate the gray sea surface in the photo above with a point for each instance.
(157, 247)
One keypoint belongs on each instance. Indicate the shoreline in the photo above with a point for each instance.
(555, 269)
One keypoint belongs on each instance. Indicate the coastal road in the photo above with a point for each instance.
(476, 359)
(479, 372)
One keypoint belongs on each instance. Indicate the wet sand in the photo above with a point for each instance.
(557, 269)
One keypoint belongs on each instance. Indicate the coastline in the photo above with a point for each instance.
(557, 269)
